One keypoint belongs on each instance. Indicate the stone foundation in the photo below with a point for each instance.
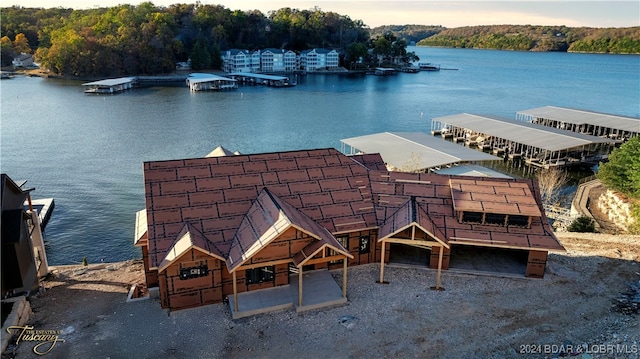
(616, 207)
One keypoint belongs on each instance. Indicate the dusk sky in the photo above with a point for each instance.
(446, 13)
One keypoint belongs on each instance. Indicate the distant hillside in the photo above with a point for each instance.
(411, 33)
(539, 38)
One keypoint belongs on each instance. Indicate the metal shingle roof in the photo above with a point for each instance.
(327, 191)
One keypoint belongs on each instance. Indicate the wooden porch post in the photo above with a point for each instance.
(300, 286)
(382, 264)
(235, 292)
(437, 287)
(344, 277)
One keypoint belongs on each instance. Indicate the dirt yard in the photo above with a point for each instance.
(475, 317)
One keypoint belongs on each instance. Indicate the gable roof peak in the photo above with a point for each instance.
(189, 238)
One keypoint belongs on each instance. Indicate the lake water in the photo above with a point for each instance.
(87, 151)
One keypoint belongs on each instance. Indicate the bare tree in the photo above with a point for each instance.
(413, 164)
(551, 181)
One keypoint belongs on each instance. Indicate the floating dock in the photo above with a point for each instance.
(619, 128)
(210, 82)
(385, 71)
(411, 151)
(537, 145)
(428, 66)
(110, 86)
(43, 207)
(261, 79)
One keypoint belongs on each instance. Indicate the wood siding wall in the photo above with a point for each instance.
(151, 276)
(177, 293)
(375, 250)
(435, 254)
(536, 264)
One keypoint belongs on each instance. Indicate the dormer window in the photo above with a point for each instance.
(493, 202)
(519, 221)
(471, 217)
(495, 218)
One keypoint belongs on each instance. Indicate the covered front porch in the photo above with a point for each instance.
(412, 226)
(320, 290)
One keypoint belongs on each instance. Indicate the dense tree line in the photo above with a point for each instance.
(408, 33)
(540, 38)
(147, 39)
(389, 51)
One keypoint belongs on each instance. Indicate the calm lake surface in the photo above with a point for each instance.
(86, 151)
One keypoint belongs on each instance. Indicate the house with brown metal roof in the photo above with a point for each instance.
(218, 226)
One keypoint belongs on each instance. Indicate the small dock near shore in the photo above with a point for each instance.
(385, 71)
(43, 207)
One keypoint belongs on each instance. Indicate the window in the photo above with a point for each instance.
(472, 217)
(365, 243)
(194, 272)
(260, 275)
(519, 221)
(492, 218)
(344, 241)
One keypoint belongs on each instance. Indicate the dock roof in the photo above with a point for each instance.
(200, 77)
(579, 117)
(429, 151)
(110, 82)
(543, 137)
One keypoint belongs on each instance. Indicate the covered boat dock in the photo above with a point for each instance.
(110, 86)
(414, 151)
(385, 71)
(538, 145)
(619, 128)
(261, 79)
(210, 82)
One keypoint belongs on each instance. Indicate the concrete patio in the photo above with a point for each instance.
(319, 290)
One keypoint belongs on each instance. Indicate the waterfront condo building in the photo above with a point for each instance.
(278, 60)
(319, 59)
(236, 60)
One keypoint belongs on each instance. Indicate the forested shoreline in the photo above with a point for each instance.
(150, 39)
(539, 38)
